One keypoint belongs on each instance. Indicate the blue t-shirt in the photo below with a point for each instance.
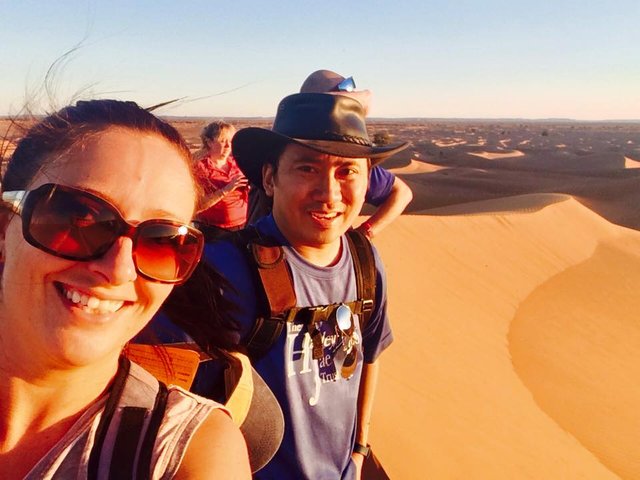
(319, 406)
(380, 184)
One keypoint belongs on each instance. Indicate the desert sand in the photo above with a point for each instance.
(512, 292)
(512, 295)
(517, 343)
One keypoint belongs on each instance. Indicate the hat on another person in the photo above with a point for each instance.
(331, 124)
(322, 81)
(326, 81)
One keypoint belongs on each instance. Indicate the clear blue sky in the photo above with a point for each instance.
(421, 58)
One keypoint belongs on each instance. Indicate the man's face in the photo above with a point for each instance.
(316, 197)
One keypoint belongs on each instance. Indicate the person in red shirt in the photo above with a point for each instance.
(224, 205)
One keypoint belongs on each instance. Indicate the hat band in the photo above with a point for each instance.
(331, 136)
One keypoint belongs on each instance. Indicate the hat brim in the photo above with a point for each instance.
(260, 419)
(252, 145)
(263, 427)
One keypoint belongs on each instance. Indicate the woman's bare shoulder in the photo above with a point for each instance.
(216, 450)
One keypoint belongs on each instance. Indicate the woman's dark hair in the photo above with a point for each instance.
(60, 131)
(200, 309)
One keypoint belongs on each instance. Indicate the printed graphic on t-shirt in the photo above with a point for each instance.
(327, 358)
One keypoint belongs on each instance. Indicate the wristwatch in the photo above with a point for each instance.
(364, 450)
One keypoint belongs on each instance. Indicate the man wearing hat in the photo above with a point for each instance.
(389, 194)
(314, 163)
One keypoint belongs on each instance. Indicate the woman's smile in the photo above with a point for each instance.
(88, 302)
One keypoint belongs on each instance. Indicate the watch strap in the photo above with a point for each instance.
(364, 450)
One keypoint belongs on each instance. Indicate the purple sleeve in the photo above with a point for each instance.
(380, 184)
(377, 335)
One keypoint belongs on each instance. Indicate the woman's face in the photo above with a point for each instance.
(145, 177)
(220, 149)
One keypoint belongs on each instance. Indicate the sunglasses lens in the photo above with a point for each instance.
(167, 252)
(70, 225)
(343, 317)
(346, 85)
(76, 225)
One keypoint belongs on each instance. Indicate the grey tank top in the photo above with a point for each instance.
(69, 458)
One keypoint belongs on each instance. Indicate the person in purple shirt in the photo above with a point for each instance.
(388, 193)
(314, 164)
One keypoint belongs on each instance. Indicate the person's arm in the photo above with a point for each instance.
(216, 450)
(368, 385)
(210, 200)
(389, 210)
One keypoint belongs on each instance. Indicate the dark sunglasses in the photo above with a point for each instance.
(77, 225)
(346, 85)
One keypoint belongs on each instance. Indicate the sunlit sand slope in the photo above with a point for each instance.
(517, 347)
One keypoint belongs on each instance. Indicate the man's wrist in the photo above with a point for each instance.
(363, 450)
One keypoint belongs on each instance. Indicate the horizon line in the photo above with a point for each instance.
(505, 119)
(380, 118)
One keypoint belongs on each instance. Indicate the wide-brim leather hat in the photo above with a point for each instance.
(331, 124)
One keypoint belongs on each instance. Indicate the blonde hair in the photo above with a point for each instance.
(212, 132)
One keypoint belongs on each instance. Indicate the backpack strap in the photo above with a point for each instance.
(126, 444)
(277, 284)
(136, 432)
(279, 296)
(146, 450)
(366, 273)
(107, 415)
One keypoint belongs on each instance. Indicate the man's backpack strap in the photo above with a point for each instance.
(277, 285)
(131, 452)
(275, 276)
(365, 266)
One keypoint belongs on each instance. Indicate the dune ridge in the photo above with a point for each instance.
(548, 353)
(450, 397)
(416, 166)
(514, 204)
(498, 155)
(631, 163)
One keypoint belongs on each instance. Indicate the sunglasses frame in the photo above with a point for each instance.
(23, 203)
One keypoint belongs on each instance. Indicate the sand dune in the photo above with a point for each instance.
(416, 166)
(505, 205)
(517, 343)
(449, 142)
(512, 295)
(631, 163)
(606, 182)
(498, 155)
